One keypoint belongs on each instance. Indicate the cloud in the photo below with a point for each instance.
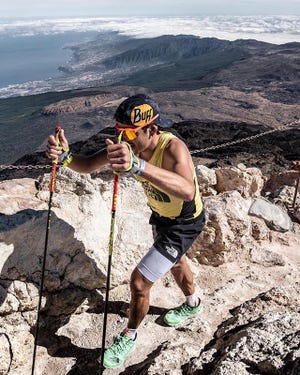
(70, 8)
(275, 29)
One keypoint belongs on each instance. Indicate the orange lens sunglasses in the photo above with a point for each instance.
(128, 133)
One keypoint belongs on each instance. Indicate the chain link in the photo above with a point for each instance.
(21, 167)
(211, 148)
(227, 144)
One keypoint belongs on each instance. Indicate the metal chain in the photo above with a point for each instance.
(216, 147)
(19, 167)
(227, 144)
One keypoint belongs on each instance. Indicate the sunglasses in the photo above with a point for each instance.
(130, 133)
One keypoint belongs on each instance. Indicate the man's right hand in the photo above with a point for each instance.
(118, 156)
(53, 149)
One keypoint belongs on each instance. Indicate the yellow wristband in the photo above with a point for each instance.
(68, 160)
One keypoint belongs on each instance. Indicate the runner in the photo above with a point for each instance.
(163, 165)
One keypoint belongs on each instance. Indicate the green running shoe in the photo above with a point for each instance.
(117, 353)
(180, 313)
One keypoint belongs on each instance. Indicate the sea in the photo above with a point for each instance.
(36, 57)
(32, 51)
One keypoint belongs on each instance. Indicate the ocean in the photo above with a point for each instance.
(33, 50)
(36, 57)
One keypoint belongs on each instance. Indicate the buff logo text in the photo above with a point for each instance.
(142, 116)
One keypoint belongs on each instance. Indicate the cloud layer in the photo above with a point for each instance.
(274, 29)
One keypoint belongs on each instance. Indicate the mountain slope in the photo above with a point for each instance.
(191, 78)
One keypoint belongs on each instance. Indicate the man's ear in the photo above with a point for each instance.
(153, 129)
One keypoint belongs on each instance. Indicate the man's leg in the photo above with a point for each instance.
(152, 266)
(139, 306)
(185, 280)
(183, 276)
(139, 303)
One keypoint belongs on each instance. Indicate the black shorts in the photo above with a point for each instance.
(173, 238)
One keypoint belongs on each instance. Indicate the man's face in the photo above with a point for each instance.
(142, 140)
(129, 133)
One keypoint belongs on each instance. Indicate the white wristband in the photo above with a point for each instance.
(141, 170)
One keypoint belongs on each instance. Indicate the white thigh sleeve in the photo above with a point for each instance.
(154, 265)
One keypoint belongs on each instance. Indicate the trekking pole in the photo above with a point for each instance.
(51, 189)
(110, 251)
(296, 190)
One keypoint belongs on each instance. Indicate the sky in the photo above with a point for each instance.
(99, 8)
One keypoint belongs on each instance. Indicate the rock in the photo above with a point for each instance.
(278, 180)
(18, 194)
(6, 352)
(296, 212)
(260, 231)
(286, 198)
(78, 236)
(207, 180)
(81, 104)
(73, 297)
(268, 342)
(227, 230)
(266, 257)
(170, 356)
(247, 181)
(274, 216)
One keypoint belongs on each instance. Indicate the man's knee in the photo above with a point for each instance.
(179, 266)
(138, 283)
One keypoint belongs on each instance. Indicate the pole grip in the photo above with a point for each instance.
(54, 162)
(115, 193)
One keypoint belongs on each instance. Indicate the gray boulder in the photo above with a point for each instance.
(275, 217)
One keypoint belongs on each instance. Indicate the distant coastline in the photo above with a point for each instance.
(33, 50)
(36, 57)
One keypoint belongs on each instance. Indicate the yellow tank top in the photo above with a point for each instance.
(161, 202)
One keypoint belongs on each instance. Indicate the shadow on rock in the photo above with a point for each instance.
(66, 287)
(142, 367)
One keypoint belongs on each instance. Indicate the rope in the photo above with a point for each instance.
(211, 148)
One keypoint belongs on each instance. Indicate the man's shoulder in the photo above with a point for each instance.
(176, 144)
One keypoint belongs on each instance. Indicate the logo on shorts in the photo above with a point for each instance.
(172, 251)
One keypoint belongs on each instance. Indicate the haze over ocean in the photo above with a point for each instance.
(32, 49)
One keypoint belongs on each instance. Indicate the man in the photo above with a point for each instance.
(163, 164)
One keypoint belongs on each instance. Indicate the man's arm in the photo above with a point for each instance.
(89, 164)
(79, 164)
(176, 175)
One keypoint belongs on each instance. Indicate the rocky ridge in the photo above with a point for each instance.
(246, 265)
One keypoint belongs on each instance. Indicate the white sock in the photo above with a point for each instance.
(131, 332)
(192, 300)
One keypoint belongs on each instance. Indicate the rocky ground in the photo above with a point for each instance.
(246, 266)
